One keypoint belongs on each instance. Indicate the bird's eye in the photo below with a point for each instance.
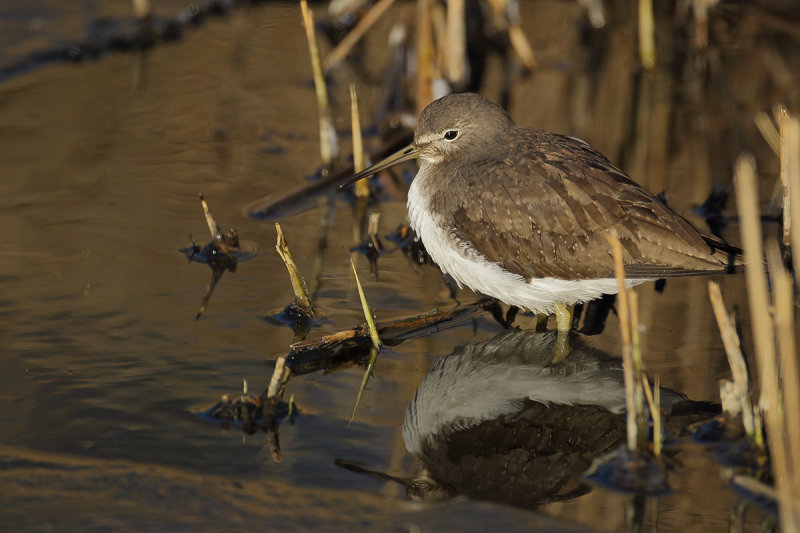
(451, 135)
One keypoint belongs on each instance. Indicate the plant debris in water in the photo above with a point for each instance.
(222, 253)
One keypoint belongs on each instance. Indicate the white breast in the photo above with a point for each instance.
(470, 268)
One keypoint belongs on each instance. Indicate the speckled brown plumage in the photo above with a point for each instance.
(540, 204)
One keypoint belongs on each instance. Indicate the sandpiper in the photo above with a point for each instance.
(522, 214)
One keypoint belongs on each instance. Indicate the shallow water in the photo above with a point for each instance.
(104, 366)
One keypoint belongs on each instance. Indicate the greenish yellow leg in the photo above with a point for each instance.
(563, 317)
(564, 324)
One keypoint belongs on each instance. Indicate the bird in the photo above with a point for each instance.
(522, 215)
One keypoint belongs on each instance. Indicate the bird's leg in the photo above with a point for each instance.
(563, 317)
(564, 324)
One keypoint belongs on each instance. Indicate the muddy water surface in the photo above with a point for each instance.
(104, 366)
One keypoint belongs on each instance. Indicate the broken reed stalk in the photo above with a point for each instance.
(376, 344)
(785, 393)
(781, 429)
(783, 117)
(627, 345)
(361, 186)
(327, 135)
(519, 42)
(298, 285)
(638, 366)
(767, 129)
(790, 145)
(212, 224)
(355, 35)
(750, 228)
(736, 361)
(647, 41)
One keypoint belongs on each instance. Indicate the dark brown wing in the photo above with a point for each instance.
(549, 205)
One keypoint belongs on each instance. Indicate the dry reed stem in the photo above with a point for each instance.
(376, 344)
(625, 334)
(638, 367)
(361, 186)
(456, 42)
(521, 46)
(355, 35)
(595, 12)
(736, 361)
(142, 9)
(787, 395)
(280, 376)
(425, 55)
(647, 41)
(783, 118)
(298, 285)
(327, 135)
(790, 138)
(772, 400)
(750, 228)
(767, 129)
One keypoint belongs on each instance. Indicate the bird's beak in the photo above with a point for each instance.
(406, 154)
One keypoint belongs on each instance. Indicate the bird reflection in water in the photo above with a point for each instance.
(496, 420)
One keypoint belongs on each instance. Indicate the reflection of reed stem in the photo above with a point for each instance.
(376, 343)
